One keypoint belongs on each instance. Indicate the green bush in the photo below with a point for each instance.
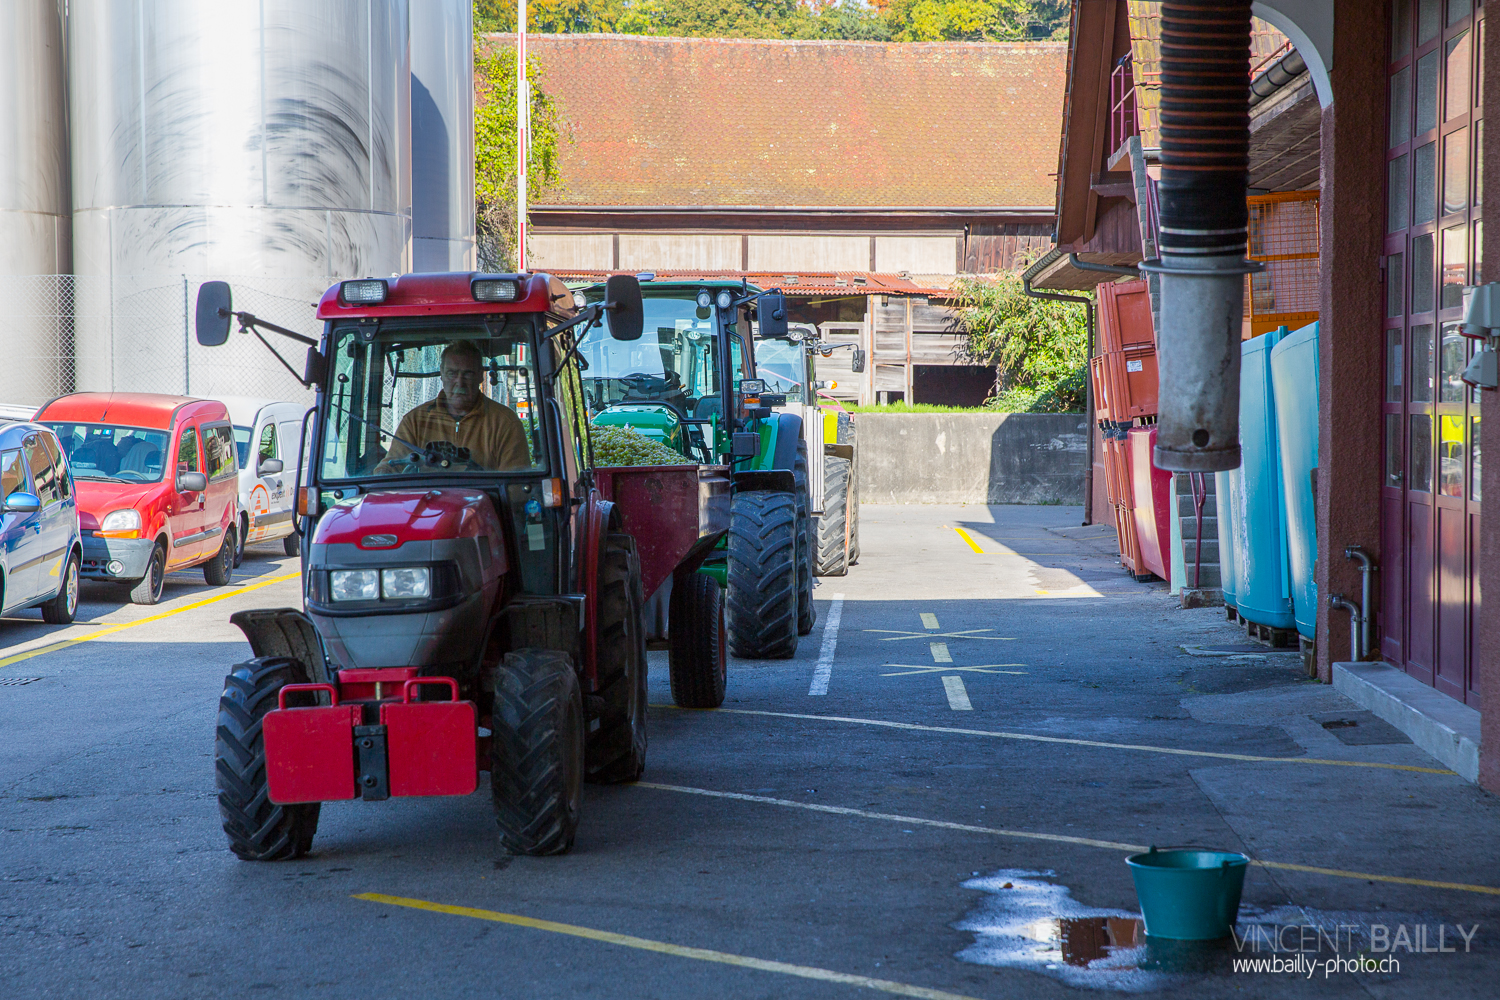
(1039, 347)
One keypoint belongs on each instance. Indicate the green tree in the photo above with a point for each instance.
(495, 150)
(851, 19)
(1039, 347)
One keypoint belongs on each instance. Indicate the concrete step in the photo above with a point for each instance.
(1210, 549)
(1186, 507)
(1208, 576)
(1189, 527)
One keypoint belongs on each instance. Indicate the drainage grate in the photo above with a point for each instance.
(16, 681)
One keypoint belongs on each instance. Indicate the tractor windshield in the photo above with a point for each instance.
(782, 365)
(426, 399)
(675, 362)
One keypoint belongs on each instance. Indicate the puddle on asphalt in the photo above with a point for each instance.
(1033, 924)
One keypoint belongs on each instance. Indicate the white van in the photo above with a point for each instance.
(268, 442)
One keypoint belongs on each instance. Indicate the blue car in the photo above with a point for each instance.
(40, 550)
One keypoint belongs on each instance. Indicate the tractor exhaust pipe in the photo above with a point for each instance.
(1205, 154)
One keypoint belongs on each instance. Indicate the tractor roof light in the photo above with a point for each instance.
(495, 289)
(726, 298)
(704, 299)
(363, 292)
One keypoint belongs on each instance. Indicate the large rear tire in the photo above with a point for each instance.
(762, 612)
(807, 613)
(258, 829)
(696, 640)
(536, 752)
(147, 590)
(616, 751)
(833, 526)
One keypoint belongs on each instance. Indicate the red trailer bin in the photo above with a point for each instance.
(1153, 504)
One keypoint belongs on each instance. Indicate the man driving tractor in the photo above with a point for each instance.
(462, 415)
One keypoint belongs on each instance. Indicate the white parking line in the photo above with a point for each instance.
(958, 698)
(940, 652)
(929, 620)
(824, 669)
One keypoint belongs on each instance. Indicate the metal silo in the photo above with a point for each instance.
(442, 125)
(35, 227)
(266, 143)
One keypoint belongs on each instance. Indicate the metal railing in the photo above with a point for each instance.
(1122, 117)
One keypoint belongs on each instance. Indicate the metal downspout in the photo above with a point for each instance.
(1205, 148)
(1366, 596)
(1088, 387)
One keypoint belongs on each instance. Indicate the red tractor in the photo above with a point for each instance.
(472, 602)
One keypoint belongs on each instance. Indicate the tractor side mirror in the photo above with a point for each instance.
(857, 363)
(772, 313)
(269, 467)
(622, 307)
(214, 313)
(316, 368)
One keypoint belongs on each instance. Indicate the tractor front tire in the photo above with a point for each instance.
(616, 751)
(696, 640)
(762, 614)
(807, 613)
(536, 752)
(833, 526)
(258, 829)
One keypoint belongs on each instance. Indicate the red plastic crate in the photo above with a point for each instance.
(1153, 504)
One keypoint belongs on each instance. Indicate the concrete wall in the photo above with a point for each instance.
(971, 457)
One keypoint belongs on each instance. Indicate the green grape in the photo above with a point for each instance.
(618, 446)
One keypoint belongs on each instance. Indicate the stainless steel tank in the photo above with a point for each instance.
(35, 227)
(267, 144)
(442, 125)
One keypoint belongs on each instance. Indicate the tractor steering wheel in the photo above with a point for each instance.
(436, 455)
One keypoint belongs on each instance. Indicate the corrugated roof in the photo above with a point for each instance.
(802, 284)
(773, 123)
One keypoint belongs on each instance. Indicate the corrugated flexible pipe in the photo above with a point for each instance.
(1205, 153)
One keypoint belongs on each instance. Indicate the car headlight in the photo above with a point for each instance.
(121, 520)
(354, 584)
(406, 583)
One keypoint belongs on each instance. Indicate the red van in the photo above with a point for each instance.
(157, 485)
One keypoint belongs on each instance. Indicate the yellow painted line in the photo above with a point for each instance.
(969, 540)
(940, 652)
(929, 620)
(1055, 838)
(122, 626)
(664, 948)
(1142, 747)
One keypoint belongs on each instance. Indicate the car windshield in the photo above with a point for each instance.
(674, 362)
(424, 400)
(108, 452)
(781, 364)
(242, 443)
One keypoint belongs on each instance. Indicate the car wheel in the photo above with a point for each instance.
(239, 545)
(61, 609)
(219, 570)
(292, 544)
(147, 590)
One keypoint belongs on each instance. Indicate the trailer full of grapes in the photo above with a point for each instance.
(678, 514)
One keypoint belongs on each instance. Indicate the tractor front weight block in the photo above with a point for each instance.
(324, 753)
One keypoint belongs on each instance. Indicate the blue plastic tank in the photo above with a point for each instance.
(1294, 374)
(1263, 582)
(1227, 504)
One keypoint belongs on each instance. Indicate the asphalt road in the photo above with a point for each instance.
(1006, 715)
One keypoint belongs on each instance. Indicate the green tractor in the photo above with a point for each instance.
(787, 364)
(690, 383)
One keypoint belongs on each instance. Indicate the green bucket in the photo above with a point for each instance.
(1188, 895)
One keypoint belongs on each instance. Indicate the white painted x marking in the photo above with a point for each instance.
(965, 634)
(943, 668)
